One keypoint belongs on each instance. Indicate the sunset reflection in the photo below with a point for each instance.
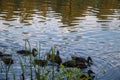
(68, 9)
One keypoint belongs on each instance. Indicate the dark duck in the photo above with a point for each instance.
(90, 74)
(82, 60)
(6, 58)
(40, 62)
(78, 62)
(55, 58)
(7, 61)
(1, 54)
(28, 52)
(5, 55)
(73, 63)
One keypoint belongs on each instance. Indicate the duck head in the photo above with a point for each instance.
(54, 57)
(34, 52)
(57, 53)
(91, 74)
(89, 61)
(40, 62)
(58, 58)
(1, 54)
(48, 56)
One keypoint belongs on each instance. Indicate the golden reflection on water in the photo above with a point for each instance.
(23, 10)
(76, 26)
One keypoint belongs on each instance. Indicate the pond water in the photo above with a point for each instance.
(77, 28)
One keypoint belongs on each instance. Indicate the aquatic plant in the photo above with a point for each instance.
(22, 68)
(7, 68)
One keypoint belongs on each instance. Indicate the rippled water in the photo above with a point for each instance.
(80, 28)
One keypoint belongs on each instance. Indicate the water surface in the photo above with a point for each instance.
(80, 28)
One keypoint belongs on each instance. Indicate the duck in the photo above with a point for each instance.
(1, 54)
(40, 62)
(5, 55)
(57, 59)
(73, 63)
(69, 63)
(22, 77)
(82, 60)
(27, 52)
(78, 62)
(7, 61)
(90, 74)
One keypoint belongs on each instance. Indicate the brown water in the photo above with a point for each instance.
(76, 27)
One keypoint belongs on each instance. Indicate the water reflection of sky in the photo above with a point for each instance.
(83, 29)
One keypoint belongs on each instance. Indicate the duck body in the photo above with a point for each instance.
(24, 52)
(28, 52)
(40, 62)
(54, 58)
(90, 74)
(81, 65)
(58, 58)
(79, 59)
(2, 55)
(82, 60)
(78, 62)
(73, 63)
(7, 61)
(69, 63)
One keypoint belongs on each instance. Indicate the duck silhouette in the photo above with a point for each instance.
(82, 60)
(78, 62)
(7, 61)
(58, 58)
(6, 58)
(1, 54)
(55, 58)
(73, 63)
(90, 73)
(40, 62)
(4, 55)
(69, 63)
(27, 52)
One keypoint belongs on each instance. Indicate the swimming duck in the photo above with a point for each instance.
(78, 62)
(27, 52)
(73, 63)
(22, 77)
(82, 60)
(90, 74)
(7, 61)
(40, 62)
(69, 63)
(5, 55)
(1, 54)
(57, 59)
